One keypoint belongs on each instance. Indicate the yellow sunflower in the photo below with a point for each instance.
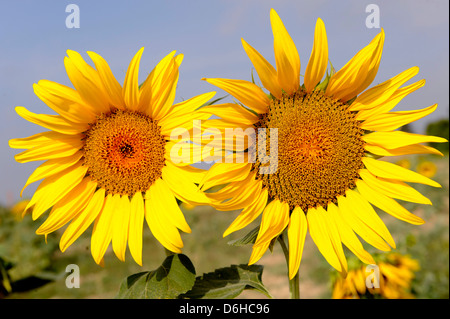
(327, 170)
(392, 279)
(107, 156)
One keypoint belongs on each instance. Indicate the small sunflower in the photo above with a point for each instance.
(330, 136)
(107, 156)
(427, 168)
(393, 277)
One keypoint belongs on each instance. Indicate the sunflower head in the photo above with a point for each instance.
(332, 131)
(107, 156)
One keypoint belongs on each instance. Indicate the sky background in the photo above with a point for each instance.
(34, 39)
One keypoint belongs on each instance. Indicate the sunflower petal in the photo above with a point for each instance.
(65, 101)
(395, 139)
(326, 237)
(222, 173)
(393, 171)
(404, 150)
(83, 220)
(275, 219)
(103, 228)
(358, 73)
(120, 227)
(53, 122)
(248, 214)
(383, 91)
(392, 188)
(51, 167)
(246, 92)
(130, 88)
(286, 55)
(393, 120)
(137, 215)
(112, 86)
(258, 252)
(68, 207)
(267, 73)
(318, 61)
(297, 228)
(351, 213)
(231, 112)
(54, 188)
(387, 204)
(348, 237)
(182, 185)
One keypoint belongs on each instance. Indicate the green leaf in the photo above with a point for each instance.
(250, 238)
(228, 283)
(175, 276)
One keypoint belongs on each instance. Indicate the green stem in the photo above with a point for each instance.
(294, 283)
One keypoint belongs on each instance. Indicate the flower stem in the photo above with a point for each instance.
(294, 283)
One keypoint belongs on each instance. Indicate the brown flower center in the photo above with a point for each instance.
(124, 152)
(319, 149)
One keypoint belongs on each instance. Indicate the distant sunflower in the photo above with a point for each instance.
(427, 168)
(394, 277)
(107, 156)
(328, 174)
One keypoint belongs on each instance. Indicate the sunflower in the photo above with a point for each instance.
(107, 156)
(330, 134)
(392, 279)
(427, 168)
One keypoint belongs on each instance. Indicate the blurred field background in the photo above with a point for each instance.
(26, 255)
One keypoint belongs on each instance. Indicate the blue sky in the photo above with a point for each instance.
(34, 40)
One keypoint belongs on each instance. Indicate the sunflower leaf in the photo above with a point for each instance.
(228, 283)
(250, 238)
(175, 276)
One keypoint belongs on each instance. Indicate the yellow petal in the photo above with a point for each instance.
(393, 120)
(286, 55)
(69, 206)
(383, 91)
(297, 228)
(387, 204)
(258, 252)
(348, 237)
(52, 167)
(160, 226)
(103, 228)
(49, 150)
(243, 198)
(267, 73)
(182, 185)
(83, 220)
(246, 92)
(130, 89)
(393, 171)
(395, 139)
(404, 150)
(318, 61)
(231, 112)
(387, 105)
(392, 188)
(120, 226)
(248, 214)
(112, 86)
(173, 213)
(54, 188)
(136, 227)
(275, 219)
(326, 237)
(87, 82)
(189, 106)
(358, 73)
(53, 122)
(363, 227)
(37, 139)
(65, 101)
(222, 173)
(154, 83)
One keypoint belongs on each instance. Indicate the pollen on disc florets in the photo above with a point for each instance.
(320, 149)
(124, 152)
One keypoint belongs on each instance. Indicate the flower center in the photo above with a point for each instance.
(319, 149)
(124, 152)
